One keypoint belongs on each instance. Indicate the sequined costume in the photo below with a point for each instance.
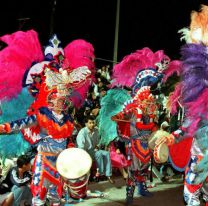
(191, 93)
(59, 82)
(141, 125)
(137, 119)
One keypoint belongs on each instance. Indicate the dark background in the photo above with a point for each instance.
(143, 23)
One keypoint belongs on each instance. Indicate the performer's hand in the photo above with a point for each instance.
(113, 118)
(117, 116)
(2, 129)
(169, 140)
(5, 128)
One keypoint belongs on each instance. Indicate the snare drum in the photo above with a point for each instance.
(161, 153)
(74, 165)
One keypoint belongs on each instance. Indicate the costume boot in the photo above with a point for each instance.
(142, 190)
(129, 194)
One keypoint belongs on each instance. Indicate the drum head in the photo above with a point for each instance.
(73, 163)
(151, 141)
(154, 136)
(162, 153)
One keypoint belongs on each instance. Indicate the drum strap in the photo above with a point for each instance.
(80, 186)
(73, 189)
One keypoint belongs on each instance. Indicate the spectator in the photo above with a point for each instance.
(5, 168)
(20, 177)
(102, 91)
(104, 71)
(118, 158)
(88, 139)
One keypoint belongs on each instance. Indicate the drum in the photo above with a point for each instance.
(151, 141)
(74, 165)
(161, 153)
(154, 136)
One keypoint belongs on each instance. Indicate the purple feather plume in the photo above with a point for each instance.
(195, 83)
(195, 71)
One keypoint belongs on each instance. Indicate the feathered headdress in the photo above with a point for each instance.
(193, 88)
(143, 68)
(23, 49)
(69, 70)
(194, 58)
(198, 30)
(194, 73)
(23, 64)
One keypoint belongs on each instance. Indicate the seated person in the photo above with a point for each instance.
(5, 168)
(117, 157)
(20, 177)
(88, 139)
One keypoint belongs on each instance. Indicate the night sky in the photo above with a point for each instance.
(143, 23)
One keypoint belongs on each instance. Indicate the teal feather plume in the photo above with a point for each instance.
(13, 145)
(201, 136)
(111, 104)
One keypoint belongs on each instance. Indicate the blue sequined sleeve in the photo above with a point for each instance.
(20, 124)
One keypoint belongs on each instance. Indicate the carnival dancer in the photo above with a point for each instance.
(135, 114)
(192, 94)
(141, 113)
(57, 83)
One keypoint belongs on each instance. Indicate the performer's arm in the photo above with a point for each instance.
(182, 130)
(18, 125)
(118, 116)
(176, 135)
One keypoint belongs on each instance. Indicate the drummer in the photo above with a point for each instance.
(88, 139)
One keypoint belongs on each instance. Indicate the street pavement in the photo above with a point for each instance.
(164, 194)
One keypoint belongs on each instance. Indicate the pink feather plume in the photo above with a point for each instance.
(80, 53)
(175, 96)
(174, 67)
(23, 48)
(124, 73)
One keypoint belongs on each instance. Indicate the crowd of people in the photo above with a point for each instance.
(124, 117)
(107, 159)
